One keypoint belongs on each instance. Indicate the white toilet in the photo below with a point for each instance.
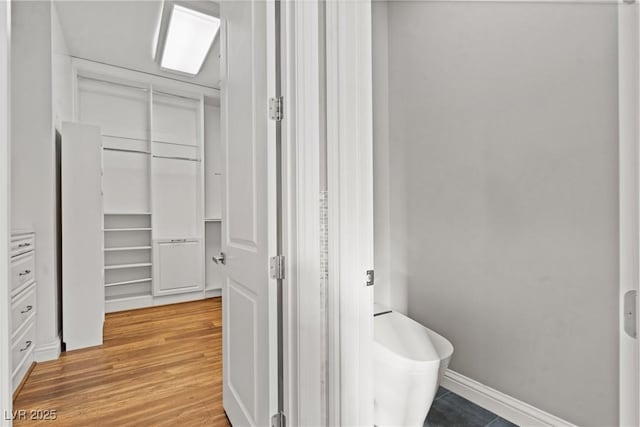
(409, 362)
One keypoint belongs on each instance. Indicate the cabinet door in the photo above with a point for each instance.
(178, 267)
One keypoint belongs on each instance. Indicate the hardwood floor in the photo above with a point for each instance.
(158, 366)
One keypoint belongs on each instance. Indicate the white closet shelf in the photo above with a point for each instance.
(133, 138)
(127, 229)
(127, 213)
(128, 297)
(128, 282)
(123, 266)
(213, 220)
(127, 248)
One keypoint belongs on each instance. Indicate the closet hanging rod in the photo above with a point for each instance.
(156, 141)
(95, 79)
(176, 158)
(124, 150)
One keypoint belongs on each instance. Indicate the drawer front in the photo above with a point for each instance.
(22, 347)
(23, 270)
(22, 308)
(22, 244)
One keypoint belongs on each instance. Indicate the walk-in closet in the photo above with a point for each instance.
(160, 175)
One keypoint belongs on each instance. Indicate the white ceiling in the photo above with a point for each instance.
(122, 33)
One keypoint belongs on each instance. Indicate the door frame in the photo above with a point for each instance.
(349, 110)
(327, 212)
(304, 338)
(629, 204)
(6, 382)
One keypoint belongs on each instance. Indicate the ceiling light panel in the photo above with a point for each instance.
(189, 38)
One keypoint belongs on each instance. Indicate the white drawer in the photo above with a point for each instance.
(22, 347)
(21, 244)
(23, 307)
(23, 271)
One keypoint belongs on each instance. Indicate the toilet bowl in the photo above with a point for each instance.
(409, 362)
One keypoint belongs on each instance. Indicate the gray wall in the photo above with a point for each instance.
(502, 143)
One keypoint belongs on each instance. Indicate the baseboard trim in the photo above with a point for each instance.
(507, 407)
(212, 293)
(46, 352)
(17, 391)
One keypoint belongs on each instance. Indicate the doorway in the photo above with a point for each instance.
(163, 160)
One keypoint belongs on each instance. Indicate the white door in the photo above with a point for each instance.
(248, 216)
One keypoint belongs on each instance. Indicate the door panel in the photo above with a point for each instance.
(179, 267)
(242, 308)
(248, 215)
(244, 146)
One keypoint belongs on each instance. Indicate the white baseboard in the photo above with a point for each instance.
(130, 303)
(211, 293)
(47, 351)
(146, 301)
(507, 407)
(178, 298)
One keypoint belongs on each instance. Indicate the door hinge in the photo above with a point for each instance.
(278, 420)
(371, 276)
(276, 108)
(276, 267)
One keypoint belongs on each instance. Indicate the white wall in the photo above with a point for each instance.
(33, 156)
(61, 72)
(390, 234)
(503, 129)
(5, 189)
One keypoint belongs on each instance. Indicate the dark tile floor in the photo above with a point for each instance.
(450, 410)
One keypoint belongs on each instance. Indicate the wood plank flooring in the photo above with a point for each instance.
(158, 366)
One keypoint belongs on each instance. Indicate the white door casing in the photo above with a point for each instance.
(350, 190)
(248, 213)
(5, 197)
(629, 113)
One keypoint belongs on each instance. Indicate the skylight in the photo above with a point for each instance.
(189, 38)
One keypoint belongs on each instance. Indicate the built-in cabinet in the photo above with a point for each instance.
(179, 266)
(23, 304)
(83, 238)
(161, 184)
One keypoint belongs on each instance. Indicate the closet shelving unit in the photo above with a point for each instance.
(177, 133)
(122, 111)
(153, 185)
(128, 260)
